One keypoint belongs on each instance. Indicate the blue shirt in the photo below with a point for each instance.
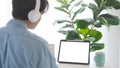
(19, 48)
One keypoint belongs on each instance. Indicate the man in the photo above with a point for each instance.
(19, 48)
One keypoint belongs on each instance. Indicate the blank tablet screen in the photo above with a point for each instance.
(74, 52)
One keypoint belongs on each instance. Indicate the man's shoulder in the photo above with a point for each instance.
(24, 34)
(38, 38)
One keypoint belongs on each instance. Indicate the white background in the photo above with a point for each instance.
(47, 30)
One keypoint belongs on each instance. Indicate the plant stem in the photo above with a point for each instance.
(72, 21)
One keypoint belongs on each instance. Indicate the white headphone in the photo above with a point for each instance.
(34, 15)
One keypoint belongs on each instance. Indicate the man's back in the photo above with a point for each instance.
(21, 49)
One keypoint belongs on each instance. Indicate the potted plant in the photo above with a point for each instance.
(87, 29)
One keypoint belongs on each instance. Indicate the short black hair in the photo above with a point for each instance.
(21, 8)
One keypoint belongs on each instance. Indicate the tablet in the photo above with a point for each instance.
(74, 51)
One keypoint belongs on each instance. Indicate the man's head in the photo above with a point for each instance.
(21, 8)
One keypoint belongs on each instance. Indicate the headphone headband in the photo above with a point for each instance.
(37, 5)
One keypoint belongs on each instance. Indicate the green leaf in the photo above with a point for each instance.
(67, 26)
(63, 32)
(96, 34)
(82, 24)
(78, 3)
(62, 1)
(101, 4)
(111, 19)
(65, 1)
(62, 21)
(96, 46)
(102, 20)
(90, 39)
(94, 9)
(98, 2)
(98, 24)
(61, 9)
(92, 32)
(113, 3)
(72, 35)
(84, 32)
(66, 6)
(116, 5)
(78, 11)
(71, 1)
(75, 5)
(110, 2)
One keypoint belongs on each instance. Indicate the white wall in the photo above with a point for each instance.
(47, 30)
(119, 53)
(114, 44)
(5, 12)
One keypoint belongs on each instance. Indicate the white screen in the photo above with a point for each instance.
(74, 51)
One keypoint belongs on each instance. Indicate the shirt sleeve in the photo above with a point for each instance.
(47, 60)
(3, 40)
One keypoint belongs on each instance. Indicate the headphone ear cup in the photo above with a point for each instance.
(34, 16)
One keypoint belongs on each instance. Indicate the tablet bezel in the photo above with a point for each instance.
(84, 63)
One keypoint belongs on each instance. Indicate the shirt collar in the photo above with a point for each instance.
(18, 23)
